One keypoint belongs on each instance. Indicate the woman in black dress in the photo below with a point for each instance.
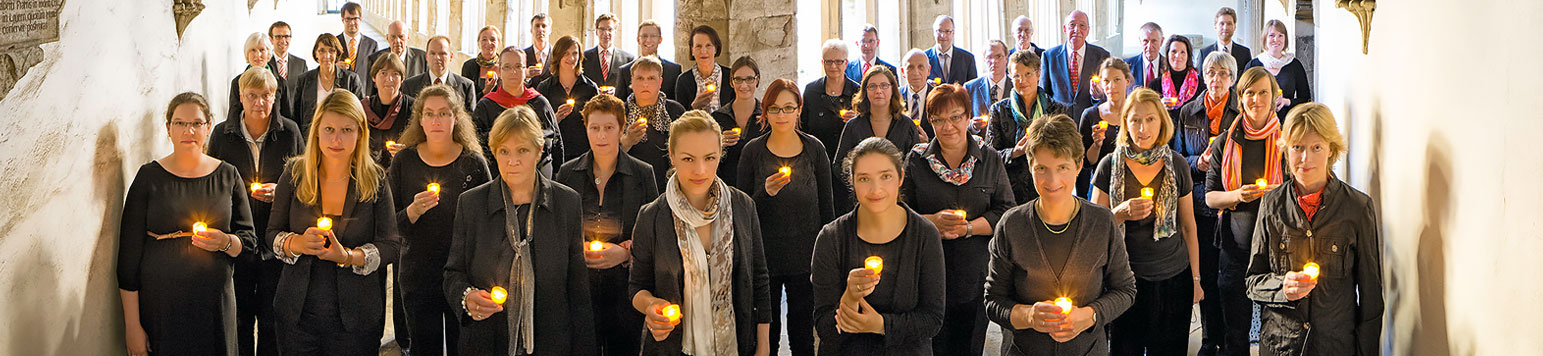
(703, 85)
(1292, 84)
(334, 226)
(740, 120)
(612, 186)
(895, 307)
(387, 110)
(512, 93)
(489, 40)
(1100, 120)
(965, 188)
(257, 143)
(1058, 272)
(1011, 118)
(519, 237)
(787, 175)
(878, 114)
(1148, 186)
(178, 298)
(568, 89)
(1182, 82)
(697, 263)
(648, 119)
(441, 160)
(318, 83)
(828, 100)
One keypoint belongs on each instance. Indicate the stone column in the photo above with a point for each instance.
(765, 31)
(922, 13)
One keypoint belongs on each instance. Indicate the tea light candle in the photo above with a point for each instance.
(1261, 182)
(918, 122)
(671, 312)
(596, 245)
(1065, 304)
(434, 188)
(498, 294)
(324, 223)
(200, 227)
(711, 87)
(937, 80)
(492, 74)
(843, 112)
(570, 102)
(874, 263)
(1311, 270)
(785, 170)
(604, 89)
(1146, 193)
(348, 61)
(643, 121)
(1096, 79)
(735, 130)
(1170, 101)
(256, 186)
(960, 213)
(390, 143)
(1103, 125)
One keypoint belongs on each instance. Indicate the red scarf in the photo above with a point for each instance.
(1187, 91)
(1310, 203)
(506, 100)
(1232, 153)
(1214, 110)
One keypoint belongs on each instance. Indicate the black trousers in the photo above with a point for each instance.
(256, 281)
(964, 329)
(1211, 322)
(618, 327)
(800, 317)
(1237, 309)
(432, 324)
(1158, 322)
(317, 336)
(402, 328)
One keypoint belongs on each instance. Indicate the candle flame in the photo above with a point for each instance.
(324, 223)
(492, 74)
(671, 312)
(785, 170)
(1146, 193)
(390, 143)
(1311, 270)
(843, 112)
(434, 188)
(1103, 125)
(200, 227)
(596, 245)
(735, 130)
(1065, 304)
(960, 213)
(499, 295)
(874, 263)
(570, 102)
(256, 186)
(711, 87)
(1096, 79)
(1261, 182)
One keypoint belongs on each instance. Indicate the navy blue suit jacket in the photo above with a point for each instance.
(855, 69)
(1055, 76)
(961, 66)
(1138, 68)
(1238, 52)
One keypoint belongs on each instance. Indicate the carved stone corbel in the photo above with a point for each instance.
(184, 11)
(1363, 13)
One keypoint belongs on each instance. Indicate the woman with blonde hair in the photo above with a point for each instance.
(334, 226)
(442, 159)
(697, 263)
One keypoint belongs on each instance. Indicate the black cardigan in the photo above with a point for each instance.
(986, 195)
(728, 166)
(304, 106)
(570, 128)
(909, 294)
(902, 132)
(1294, 84)
(821, 116)
(794, 216)
(480, 257)
(657, 268)
(282, 141)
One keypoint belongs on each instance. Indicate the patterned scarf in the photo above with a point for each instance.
(711, 78)
(521, 316)
(487, 64)
(659, 118)
(956, 176)
(708, 309)
(1165, 203)
(1186, 91)
(1232, 152)
(1017, 105)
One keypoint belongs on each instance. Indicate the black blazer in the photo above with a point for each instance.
(571, 128)
(671, 73)
(1238, 52)
(480, 257)
(592, 65)
(1294, 84)
(361, 298)
(281, 99)
(463, 86)
(305, 100)
(987, 195)
(685, 87)
(821, 115)
(530, 55)
(282, 141)
(1005, 133)
(961, 65)
(657, 268)
(367, 46)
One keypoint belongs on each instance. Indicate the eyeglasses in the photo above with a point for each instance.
(790, 109)
(831, 62)
(184, 125)
(283, 37)
(882, 86)
(604, 29)
(351, 19)
(259, 96)
(935, 120)
(744, 79)
(945, 32)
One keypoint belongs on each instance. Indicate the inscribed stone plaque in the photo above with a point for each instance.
(28, 22)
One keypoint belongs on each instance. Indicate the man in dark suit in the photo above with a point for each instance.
(539, 49)
(602, 64)
(991, 88)
(1023, 31)
(649, 37)
(1068, 67)
(439, 73)
(288, 66)
(1150, 63)
(1226, 25)
(915, 88)
(414, 59)
(951, 64)
(356, 46)
(868, 46)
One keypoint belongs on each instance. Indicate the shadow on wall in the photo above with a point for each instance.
(98, 315)
(1429, 335)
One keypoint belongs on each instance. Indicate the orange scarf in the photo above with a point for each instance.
(1232, 153)
(1213, 110)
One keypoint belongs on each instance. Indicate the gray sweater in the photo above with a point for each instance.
(1097, 274)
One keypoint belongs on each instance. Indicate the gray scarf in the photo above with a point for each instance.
(708, 309)
(521, 273)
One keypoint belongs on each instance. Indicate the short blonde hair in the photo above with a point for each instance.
(1314, 118)
(517, 122)
(257, 78)
(1140, 96)
(692, 122)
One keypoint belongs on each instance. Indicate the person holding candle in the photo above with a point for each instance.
(880, 113)
(512, 93)
(706, 85)
(828, 99)
(1245, 152)
(1198, 124)
(953, 173)
(698, 246)
(894, 309)
(1013, 116)
(988, 89)
(1148, 186)
(645, 129)
(440, 161)
(1057, 246)
(332, 295)
(741, 119)
(258, 52)
(520, 235)
(384, 111)
(1290, 75)
(1337, 312)
(476, 68)
(257, 143)
(1102, 119)
(787, 175)
(568, 89)
(185, 223)
(612, 186)
(317, 83)
(1180, 82)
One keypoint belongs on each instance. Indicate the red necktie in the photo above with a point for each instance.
(605, 64)
(283, 66)
(1076, 72)
(437, 81)
(866, 65)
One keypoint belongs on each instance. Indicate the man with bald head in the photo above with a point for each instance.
(949, 63)
(914, 71)
(396, 41)
(439, 72)
(1069, 67)
(1023, 31)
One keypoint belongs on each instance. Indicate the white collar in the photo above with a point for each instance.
(1224, 47)
(943, 51)
(443, 79)
(353, 38)
(916, 91)
(871, 63)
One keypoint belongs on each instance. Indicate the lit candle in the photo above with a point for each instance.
(643, 121)
(603, 89)
(671, 312)
(492, 74)
(1213, 140)
(1278, 92)
(918, 122)
(843, 112)
(960, 213)
(735, 130)
(874, 263)
(570, 101)
(538, 67)
(596, 245)
(1103, 125)
(348, 61)
(785, 170)
(985, 118)
(1311, 270)
(324, 223)
(1095, 79)
(937, 80)
(256, 186)
(1170, 101)
(1065, 304)
(434, 188)
(200, 227)
(1146, 193)
(711, 87)
(499, 295)
(1261, 182)
(390, 143)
